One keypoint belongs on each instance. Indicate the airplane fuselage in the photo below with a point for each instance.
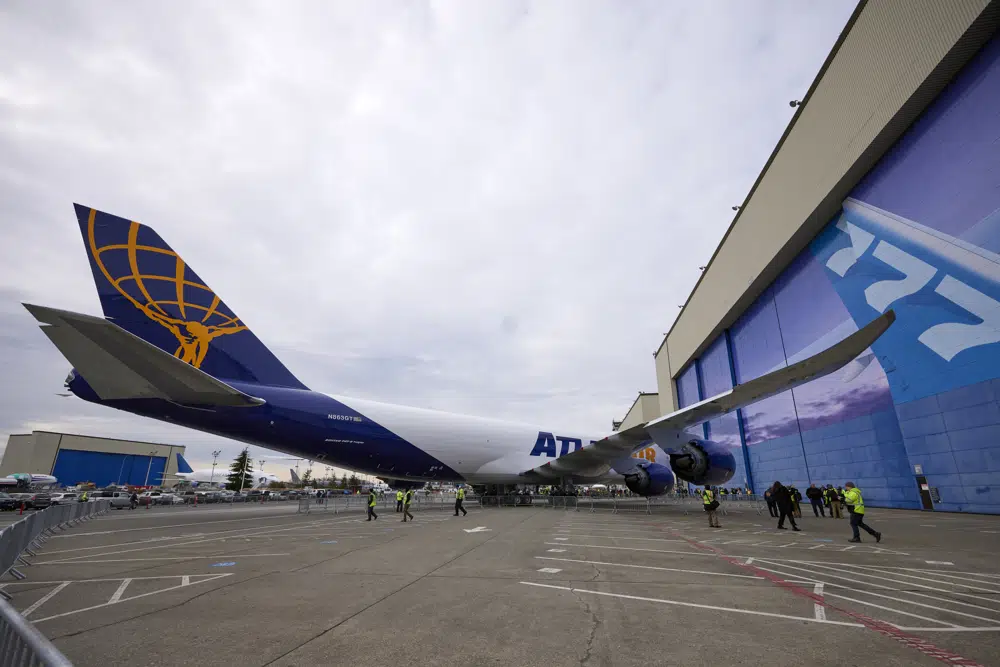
(371, 437)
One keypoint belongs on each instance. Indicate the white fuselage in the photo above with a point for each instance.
(482, 450)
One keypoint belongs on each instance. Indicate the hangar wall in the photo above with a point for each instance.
(920, 234)
(892, 59)
(75, 458)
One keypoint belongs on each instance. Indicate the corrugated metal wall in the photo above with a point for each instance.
(104, 468)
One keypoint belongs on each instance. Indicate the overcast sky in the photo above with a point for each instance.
(483, 207)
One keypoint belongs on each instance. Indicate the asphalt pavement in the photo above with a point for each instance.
(265, 585)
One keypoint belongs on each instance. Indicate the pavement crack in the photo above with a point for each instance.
(595, 622)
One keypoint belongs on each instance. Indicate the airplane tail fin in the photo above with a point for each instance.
(295, 477)
(148, 290)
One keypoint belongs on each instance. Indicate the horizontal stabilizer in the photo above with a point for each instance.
(119, 365)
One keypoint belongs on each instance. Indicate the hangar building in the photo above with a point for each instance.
(79, 458)
(883, 192)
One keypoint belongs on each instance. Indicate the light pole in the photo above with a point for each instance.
(149, 467)
(215, 457)
(122, 469)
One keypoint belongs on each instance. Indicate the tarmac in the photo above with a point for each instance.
(265, 585)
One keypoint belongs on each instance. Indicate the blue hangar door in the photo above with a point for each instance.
(103, 468)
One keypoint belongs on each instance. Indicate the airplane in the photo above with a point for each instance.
(23, 480)
(196, 477)
(168, 348)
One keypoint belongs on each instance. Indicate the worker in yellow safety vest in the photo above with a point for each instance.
(371, 504)
(407, 499)
(399, 501)
(459, 497)
(711, 505)
(856, 507)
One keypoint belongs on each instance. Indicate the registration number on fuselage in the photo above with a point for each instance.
(344, 418)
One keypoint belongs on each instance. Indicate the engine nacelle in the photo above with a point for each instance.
(651, 479)
(703, 462)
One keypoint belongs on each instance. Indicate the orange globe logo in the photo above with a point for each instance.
(157, 282)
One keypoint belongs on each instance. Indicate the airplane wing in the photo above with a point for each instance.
(597, 458)
(119, 365)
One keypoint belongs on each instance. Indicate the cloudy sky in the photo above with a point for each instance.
(484, 207)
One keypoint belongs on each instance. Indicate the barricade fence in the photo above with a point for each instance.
(21, 645)
(30, 532)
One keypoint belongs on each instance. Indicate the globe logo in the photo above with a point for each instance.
(145, 271)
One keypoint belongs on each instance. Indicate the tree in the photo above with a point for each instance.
(343, 481)
(353, 482)
(307, 478)
(241, 467)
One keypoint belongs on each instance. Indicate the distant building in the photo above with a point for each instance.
(73, 459)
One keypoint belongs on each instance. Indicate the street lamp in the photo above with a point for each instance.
(215, 457)
(149, 467)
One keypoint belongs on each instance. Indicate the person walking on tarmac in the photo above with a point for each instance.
(371, 504)
(407, 499)
(711, 505)
(833, 498)
(399, 501)
(459, 497)
(783, 499)
(133, 501)
(815, 497)
(856, 508)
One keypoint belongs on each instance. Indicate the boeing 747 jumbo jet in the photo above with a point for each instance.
(169, 348)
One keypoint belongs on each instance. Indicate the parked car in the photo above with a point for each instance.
(119, 499)
(65, 498)
(40, 501)
(8, 502)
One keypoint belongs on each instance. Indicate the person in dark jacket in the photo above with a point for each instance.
(783, 498)
(815, 497)
(772, 507)
(833, 501)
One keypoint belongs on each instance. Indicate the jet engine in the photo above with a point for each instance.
(702, 462)
(650, 479)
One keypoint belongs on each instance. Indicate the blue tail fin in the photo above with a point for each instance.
(148, 290)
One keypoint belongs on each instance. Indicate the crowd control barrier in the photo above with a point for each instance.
(30, 532)
(21, 645)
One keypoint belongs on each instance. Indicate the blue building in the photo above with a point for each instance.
(73, 459)
(883, 193)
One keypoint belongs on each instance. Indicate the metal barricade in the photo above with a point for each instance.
(30, 532)
(21, 645)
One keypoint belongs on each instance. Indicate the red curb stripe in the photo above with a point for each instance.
(881, 627)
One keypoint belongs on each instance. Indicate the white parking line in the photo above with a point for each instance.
(781, 569)
(134, 597)
(172, 525)
(692, 604)
(818, 609)
(659, 551)
(621, 537)
(48, 596)
(933, 581)
(117, 595)
(142, 560)
(650, 567)
(174, 545)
